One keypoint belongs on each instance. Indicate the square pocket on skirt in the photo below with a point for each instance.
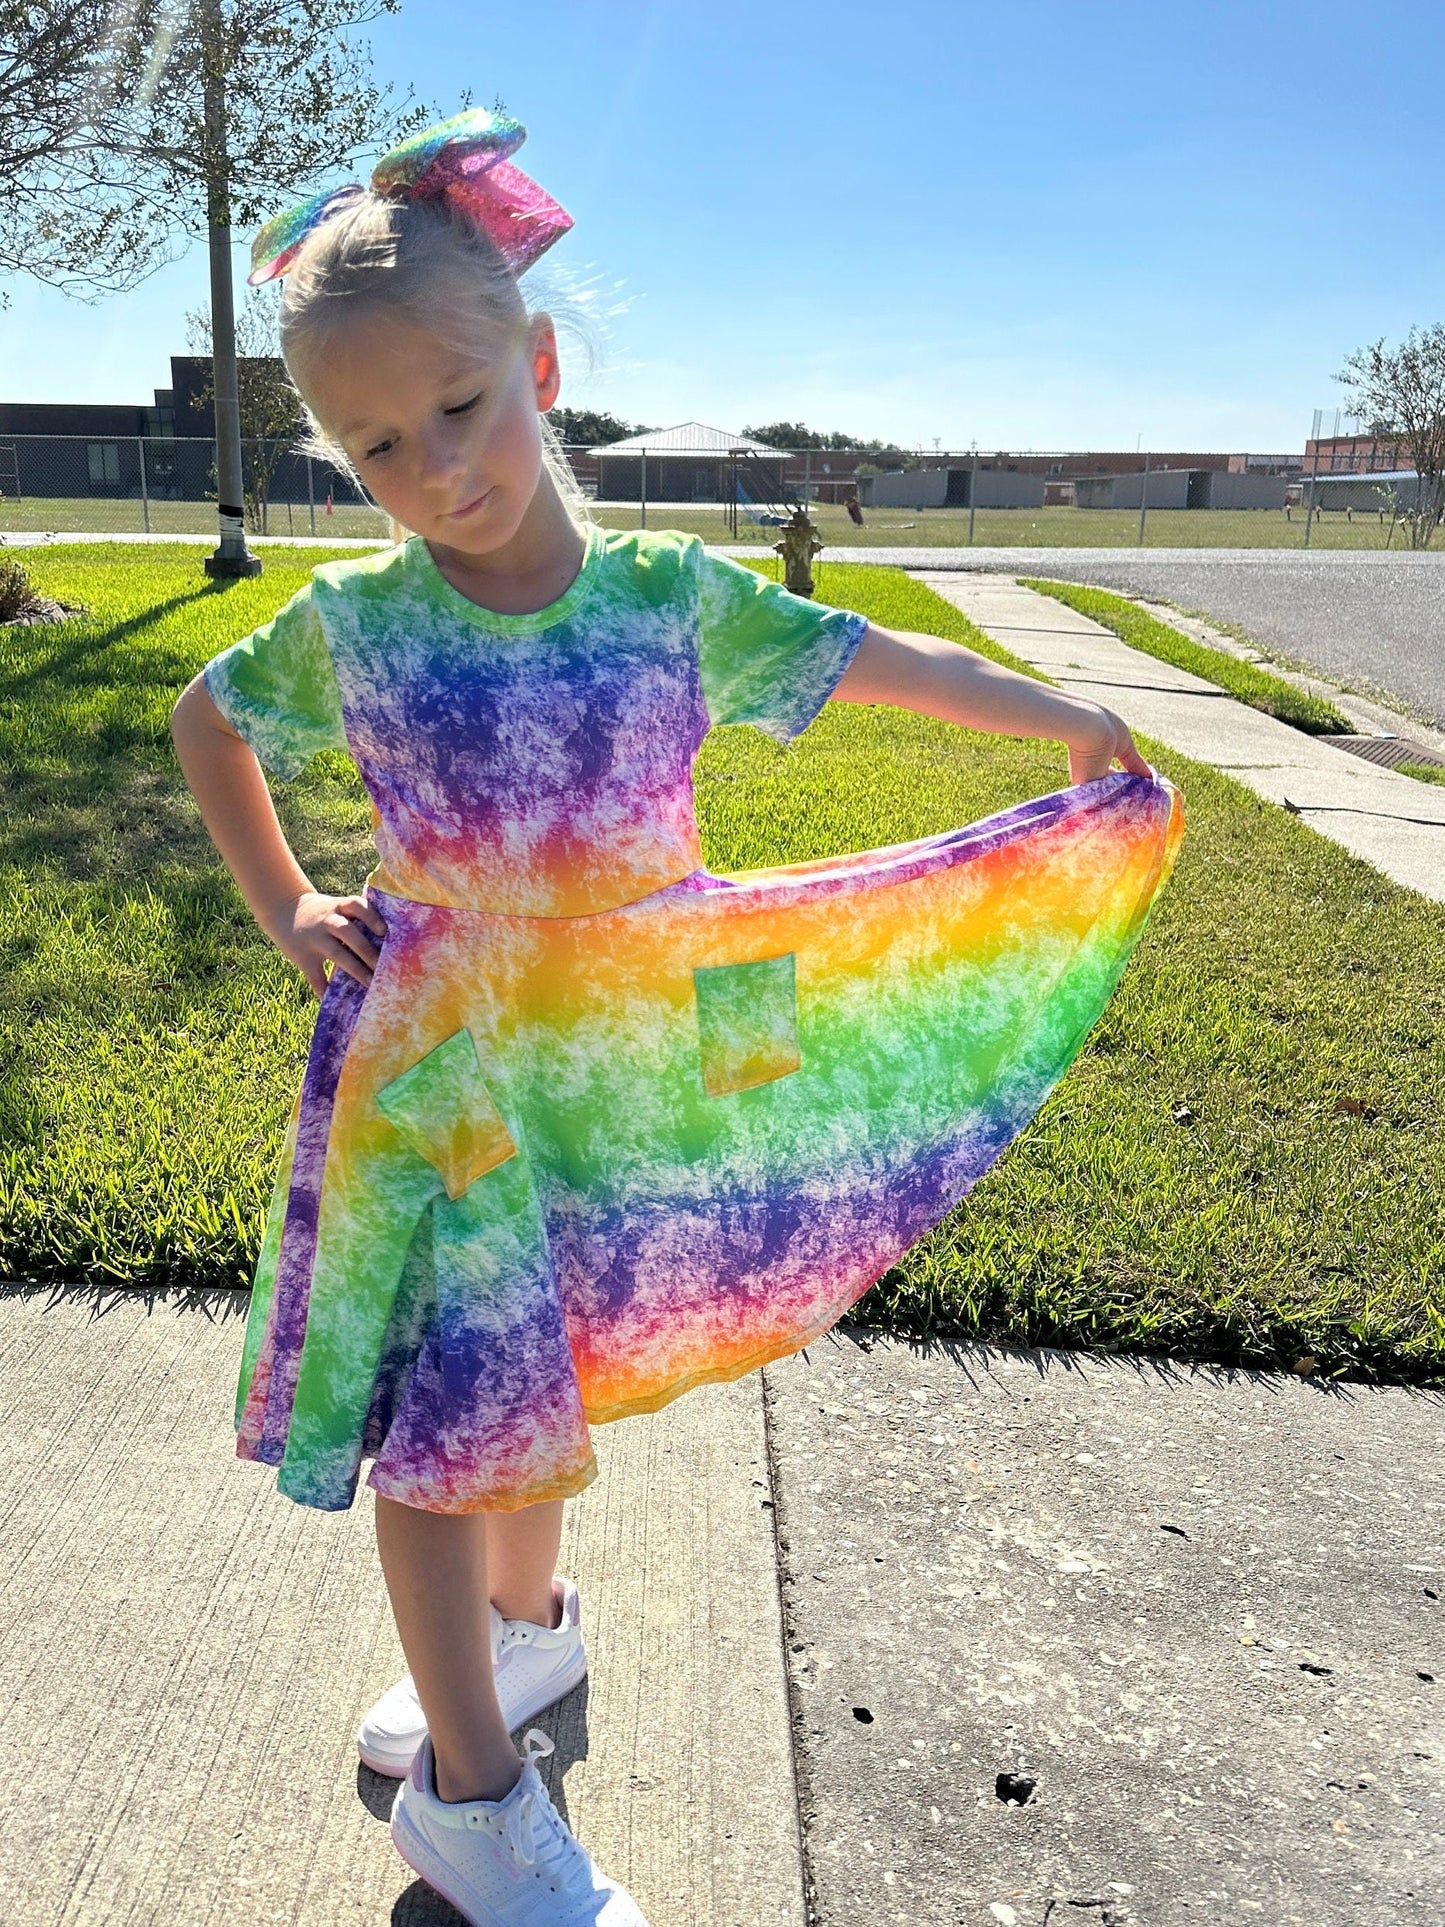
(443, 1109)
(747, 1020)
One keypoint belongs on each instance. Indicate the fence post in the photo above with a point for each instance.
(644, 488)
(1143, 500)
(145, 506)
(310, 495)
(1314, 472)
(972, 490)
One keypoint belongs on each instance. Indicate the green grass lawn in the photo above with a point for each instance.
(1034, 528)
(884, 528)
(1246, 680)
(1243, 1165)
(123, 515)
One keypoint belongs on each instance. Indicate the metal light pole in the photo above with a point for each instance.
(145, 502)
(1143, 500)
(232, 557)
(1314, 471)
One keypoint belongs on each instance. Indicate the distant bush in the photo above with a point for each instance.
(587, 427)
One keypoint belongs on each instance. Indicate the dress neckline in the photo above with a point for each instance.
(496, 620)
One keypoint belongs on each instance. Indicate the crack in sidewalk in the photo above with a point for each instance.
(802, 1785)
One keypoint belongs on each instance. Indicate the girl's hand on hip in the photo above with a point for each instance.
(313, 930)
(1094, 750)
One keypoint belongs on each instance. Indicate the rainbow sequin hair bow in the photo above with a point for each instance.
(464, 161)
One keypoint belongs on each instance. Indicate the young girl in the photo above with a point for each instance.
(582, 1124)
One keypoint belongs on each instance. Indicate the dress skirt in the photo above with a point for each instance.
(544, 1172)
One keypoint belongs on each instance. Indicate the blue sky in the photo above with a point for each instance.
(1048, 224)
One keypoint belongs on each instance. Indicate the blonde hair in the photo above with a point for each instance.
(421, 259)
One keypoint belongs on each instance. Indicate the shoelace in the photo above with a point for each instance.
(535, 1833)
(512, 1632)
(506, 1633)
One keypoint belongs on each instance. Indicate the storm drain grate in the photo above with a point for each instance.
(1389, 752)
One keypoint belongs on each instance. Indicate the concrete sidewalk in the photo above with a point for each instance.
(187, 1653)
(1392, 821)
(1196, 1615)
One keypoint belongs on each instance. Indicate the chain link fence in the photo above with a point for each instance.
(166, 485)
(162, 485)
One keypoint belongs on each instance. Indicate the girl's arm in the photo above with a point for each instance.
(235, 804)
(947, 680)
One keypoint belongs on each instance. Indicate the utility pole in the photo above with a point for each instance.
(1144, 500)
(232, 557)
(1314, 471)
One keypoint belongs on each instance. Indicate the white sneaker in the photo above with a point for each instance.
(505, 1863)
(533, 1665)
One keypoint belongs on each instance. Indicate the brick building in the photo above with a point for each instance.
(1356, 455)
(164, 448)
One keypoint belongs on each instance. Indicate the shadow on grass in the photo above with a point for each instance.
(975, 1359)
(130, 816)
(86, 646)
(92, 782)
(102, 819)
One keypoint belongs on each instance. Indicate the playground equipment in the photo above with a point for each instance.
(759, 488)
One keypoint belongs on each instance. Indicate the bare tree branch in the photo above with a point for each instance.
(104, 156)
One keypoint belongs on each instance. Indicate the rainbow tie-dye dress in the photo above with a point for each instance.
(605, 1125)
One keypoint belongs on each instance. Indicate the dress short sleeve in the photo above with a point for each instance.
(767, 657)
(277, 688)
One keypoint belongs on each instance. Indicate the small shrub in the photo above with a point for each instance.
(18, 595)
(21, 602)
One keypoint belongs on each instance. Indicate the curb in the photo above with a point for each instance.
(1391, 821)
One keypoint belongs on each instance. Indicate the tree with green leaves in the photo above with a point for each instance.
(590, 427)
(798, 436)
(1399, 395)
(128, 132)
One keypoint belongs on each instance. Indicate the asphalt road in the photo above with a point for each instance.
(1375, 621)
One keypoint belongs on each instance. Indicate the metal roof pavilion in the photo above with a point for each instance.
(694, 439)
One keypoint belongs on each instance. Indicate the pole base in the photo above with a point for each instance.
(231, 567)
